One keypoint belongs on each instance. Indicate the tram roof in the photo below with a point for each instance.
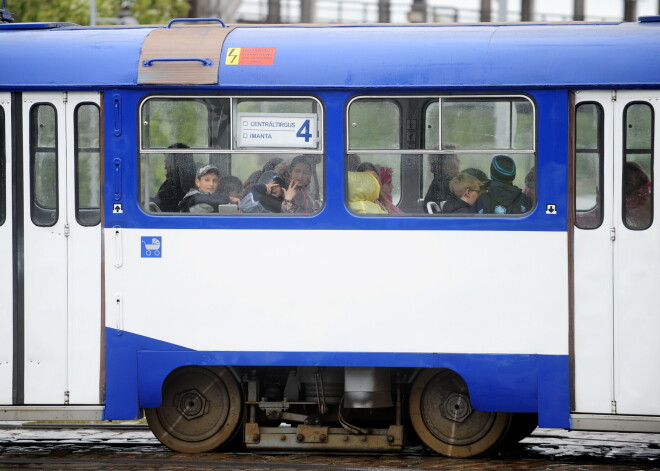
(372, 56)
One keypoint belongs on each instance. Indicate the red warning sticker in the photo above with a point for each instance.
(250, 56)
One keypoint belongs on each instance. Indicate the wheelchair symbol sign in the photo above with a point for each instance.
(151, 247)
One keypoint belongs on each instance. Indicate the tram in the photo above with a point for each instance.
(330, 328)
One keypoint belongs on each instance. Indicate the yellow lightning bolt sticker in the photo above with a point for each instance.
(233, 56)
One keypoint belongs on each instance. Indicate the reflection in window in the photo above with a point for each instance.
(272, 137)
(473, 131)
(88, 163)
(43, 165)
(588, 165)
(638, 166)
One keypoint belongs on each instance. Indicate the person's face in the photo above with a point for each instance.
(471, 196)
(207, 183)
(302, 174)
(387, 187)
(277, 191)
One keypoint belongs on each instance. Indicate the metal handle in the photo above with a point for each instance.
(205, 62)
(190, 20)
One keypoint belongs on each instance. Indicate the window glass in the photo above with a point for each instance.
(43, 164)
(276, 135)
(638, 166)
(485, 124)
(3, 169)
(201, 123)
(374, 125)
(588, 165)
(88, 162)
(418, 179)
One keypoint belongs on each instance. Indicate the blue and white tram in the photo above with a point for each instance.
(331, 328)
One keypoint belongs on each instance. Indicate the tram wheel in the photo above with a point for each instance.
(443, 417)
(200, 411)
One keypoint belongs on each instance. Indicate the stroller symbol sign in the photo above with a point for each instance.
(151, 247)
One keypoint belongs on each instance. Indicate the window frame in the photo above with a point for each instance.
(624, 159)
(36, 210)
(3, 168)
(232, 148)
(422, 151)
(76, 159)
(600, 150)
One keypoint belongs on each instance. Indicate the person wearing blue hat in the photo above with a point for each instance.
(503, 197)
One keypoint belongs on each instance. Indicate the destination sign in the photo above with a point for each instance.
(277, 130)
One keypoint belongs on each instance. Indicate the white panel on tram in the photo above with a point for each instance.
(636, 255)
(6, 254)
(62, 256)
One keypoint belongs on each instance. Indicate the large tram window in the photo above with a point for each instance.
(87, 165)
(268, 134)
(43, 165)
(588, 165)
(437, 138)
(638, 166)
(3, 169)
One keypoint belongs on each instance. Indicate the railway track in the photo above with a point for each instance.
(127, 447)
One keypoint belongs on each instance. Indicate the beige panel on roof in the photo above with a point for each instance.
(196, 50)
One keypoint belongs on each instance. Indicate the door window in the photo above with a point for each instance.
(638, 166)
(43, 165)
(588, 165)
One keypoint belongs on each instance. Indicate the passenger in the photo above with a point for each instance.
(253, 179)
(530, 184)
(371, 169)
(230, 185)
(363, 190)
(203, 198)
(266, 196)
(638, 190)
(296, 199)
(466, 189)
(444, 168)
(503, 197)
(179, 178)
(386, 188)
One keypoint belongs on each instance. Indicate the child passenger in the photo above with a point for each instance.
(296, 198)
(465, 192)
(266, 196)
(203, 198)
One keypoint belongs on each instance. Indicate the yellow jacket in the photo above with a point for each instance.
(363, 190)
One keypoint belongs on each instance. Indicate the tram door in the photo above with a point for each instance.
(6, 280)
(617, 254)
(62, 242)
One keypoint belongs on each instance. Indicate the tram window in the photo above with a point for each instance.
(472, 130)
(637, 172)
(3, 169)
(87, 165)
(369, 133)
(43, 165)
(268, 134)
(588, 165)
(201, 123)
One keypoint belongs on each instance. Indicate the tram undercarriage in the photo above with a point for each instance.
(332, 409)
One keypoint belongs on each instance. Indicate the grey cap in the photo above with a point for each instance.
(201, 171)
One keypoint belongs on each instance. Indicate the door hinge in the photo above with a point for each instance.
(65, 97)
(613, 95)
(613, 407)
(66, 397)
(612, 234)
(67, 230)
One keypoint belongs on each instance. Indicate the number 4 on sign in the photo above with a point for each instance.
(304, 131)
